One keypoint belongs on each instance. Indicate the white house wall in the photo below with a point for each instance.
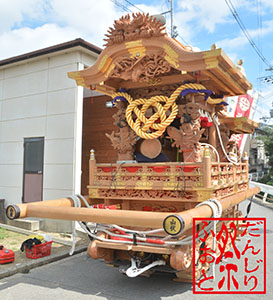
(37, 99)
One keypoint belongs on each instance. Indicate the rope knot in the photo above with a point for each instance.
(165, 109)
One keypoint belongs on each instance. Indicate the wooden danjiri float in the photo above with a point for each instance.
(175, 160)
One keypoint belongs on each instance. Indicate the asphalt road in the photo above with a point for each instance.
(79, 277)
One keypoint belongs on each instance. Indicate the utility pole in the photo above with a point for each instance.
(174, 32)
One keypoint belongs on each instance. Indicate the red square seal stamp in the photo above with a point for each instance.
(229, 255)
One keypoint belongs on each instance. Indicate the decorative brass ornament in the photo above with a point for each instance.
(173, 224)
(13, 212)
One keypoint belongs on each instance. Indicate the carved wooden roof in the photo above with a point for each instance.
(138, 55)
(239, 125)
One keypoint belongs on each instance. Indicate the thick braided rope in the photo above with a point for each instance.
(161, 113)
(137, 125)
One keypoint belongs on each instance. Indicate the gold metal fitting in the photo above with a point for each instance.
(165, 256)
(245, 156)
(141, 254)
(173, 224)
(92, 154)
(206, 151)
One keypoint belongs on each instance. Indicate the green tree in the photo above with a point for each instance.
(267, 138)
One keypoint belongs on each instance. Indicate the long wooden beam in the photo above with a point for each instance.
(17, 211)
(53, 210)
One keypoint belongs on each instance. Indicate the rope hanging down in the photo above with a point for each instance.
(149, 128)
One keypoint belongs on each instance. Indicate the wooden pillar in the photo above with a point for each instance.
(212, 132)
(234, 168)
(207, 168)
(92, 167)
(212, 135)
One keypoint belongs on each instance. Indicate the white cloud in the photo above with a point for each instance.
(56, 21)
(194, 16)
(267, 92)
(13, 12)
(234, 43)
(34, 24)
(151, 9)
(265, 5)
(206, 13)
(264, 103)
(52, 22)
(240, 41)
(91, 18)
(25, 40)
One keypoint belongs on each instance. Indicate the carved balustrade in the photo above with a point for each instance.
(174, 181)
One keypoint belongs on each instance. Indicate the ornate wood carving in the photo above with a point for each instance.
(231, 147)
(141, 69)
(140, 26)
(145, 194)
(125, 139)
(187, 137)
(148, 92)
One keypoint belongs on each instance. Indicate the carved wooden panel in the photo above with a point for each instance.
(141, 69)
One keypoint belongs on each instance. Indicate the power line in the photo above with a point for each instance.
(183, 40)
(260, 28)
(245, 32)
(260, 45)
(117, 3)
(134, 5)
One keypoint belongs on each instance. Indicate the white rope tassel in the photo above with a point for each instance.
(221, 143)
(213, 203)
(77, 203)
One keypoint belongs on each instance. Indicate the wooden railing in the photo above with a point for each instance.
(170, 181)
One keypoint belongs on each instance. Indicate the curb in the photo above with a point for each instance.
(26, 267)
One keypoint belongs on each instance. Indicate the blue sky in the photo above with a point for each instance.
(28, 25)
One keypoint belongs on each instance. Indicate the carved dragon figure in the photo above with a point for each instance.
(141, 68)
(188, 135)
(140, 26)
(125, 139)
